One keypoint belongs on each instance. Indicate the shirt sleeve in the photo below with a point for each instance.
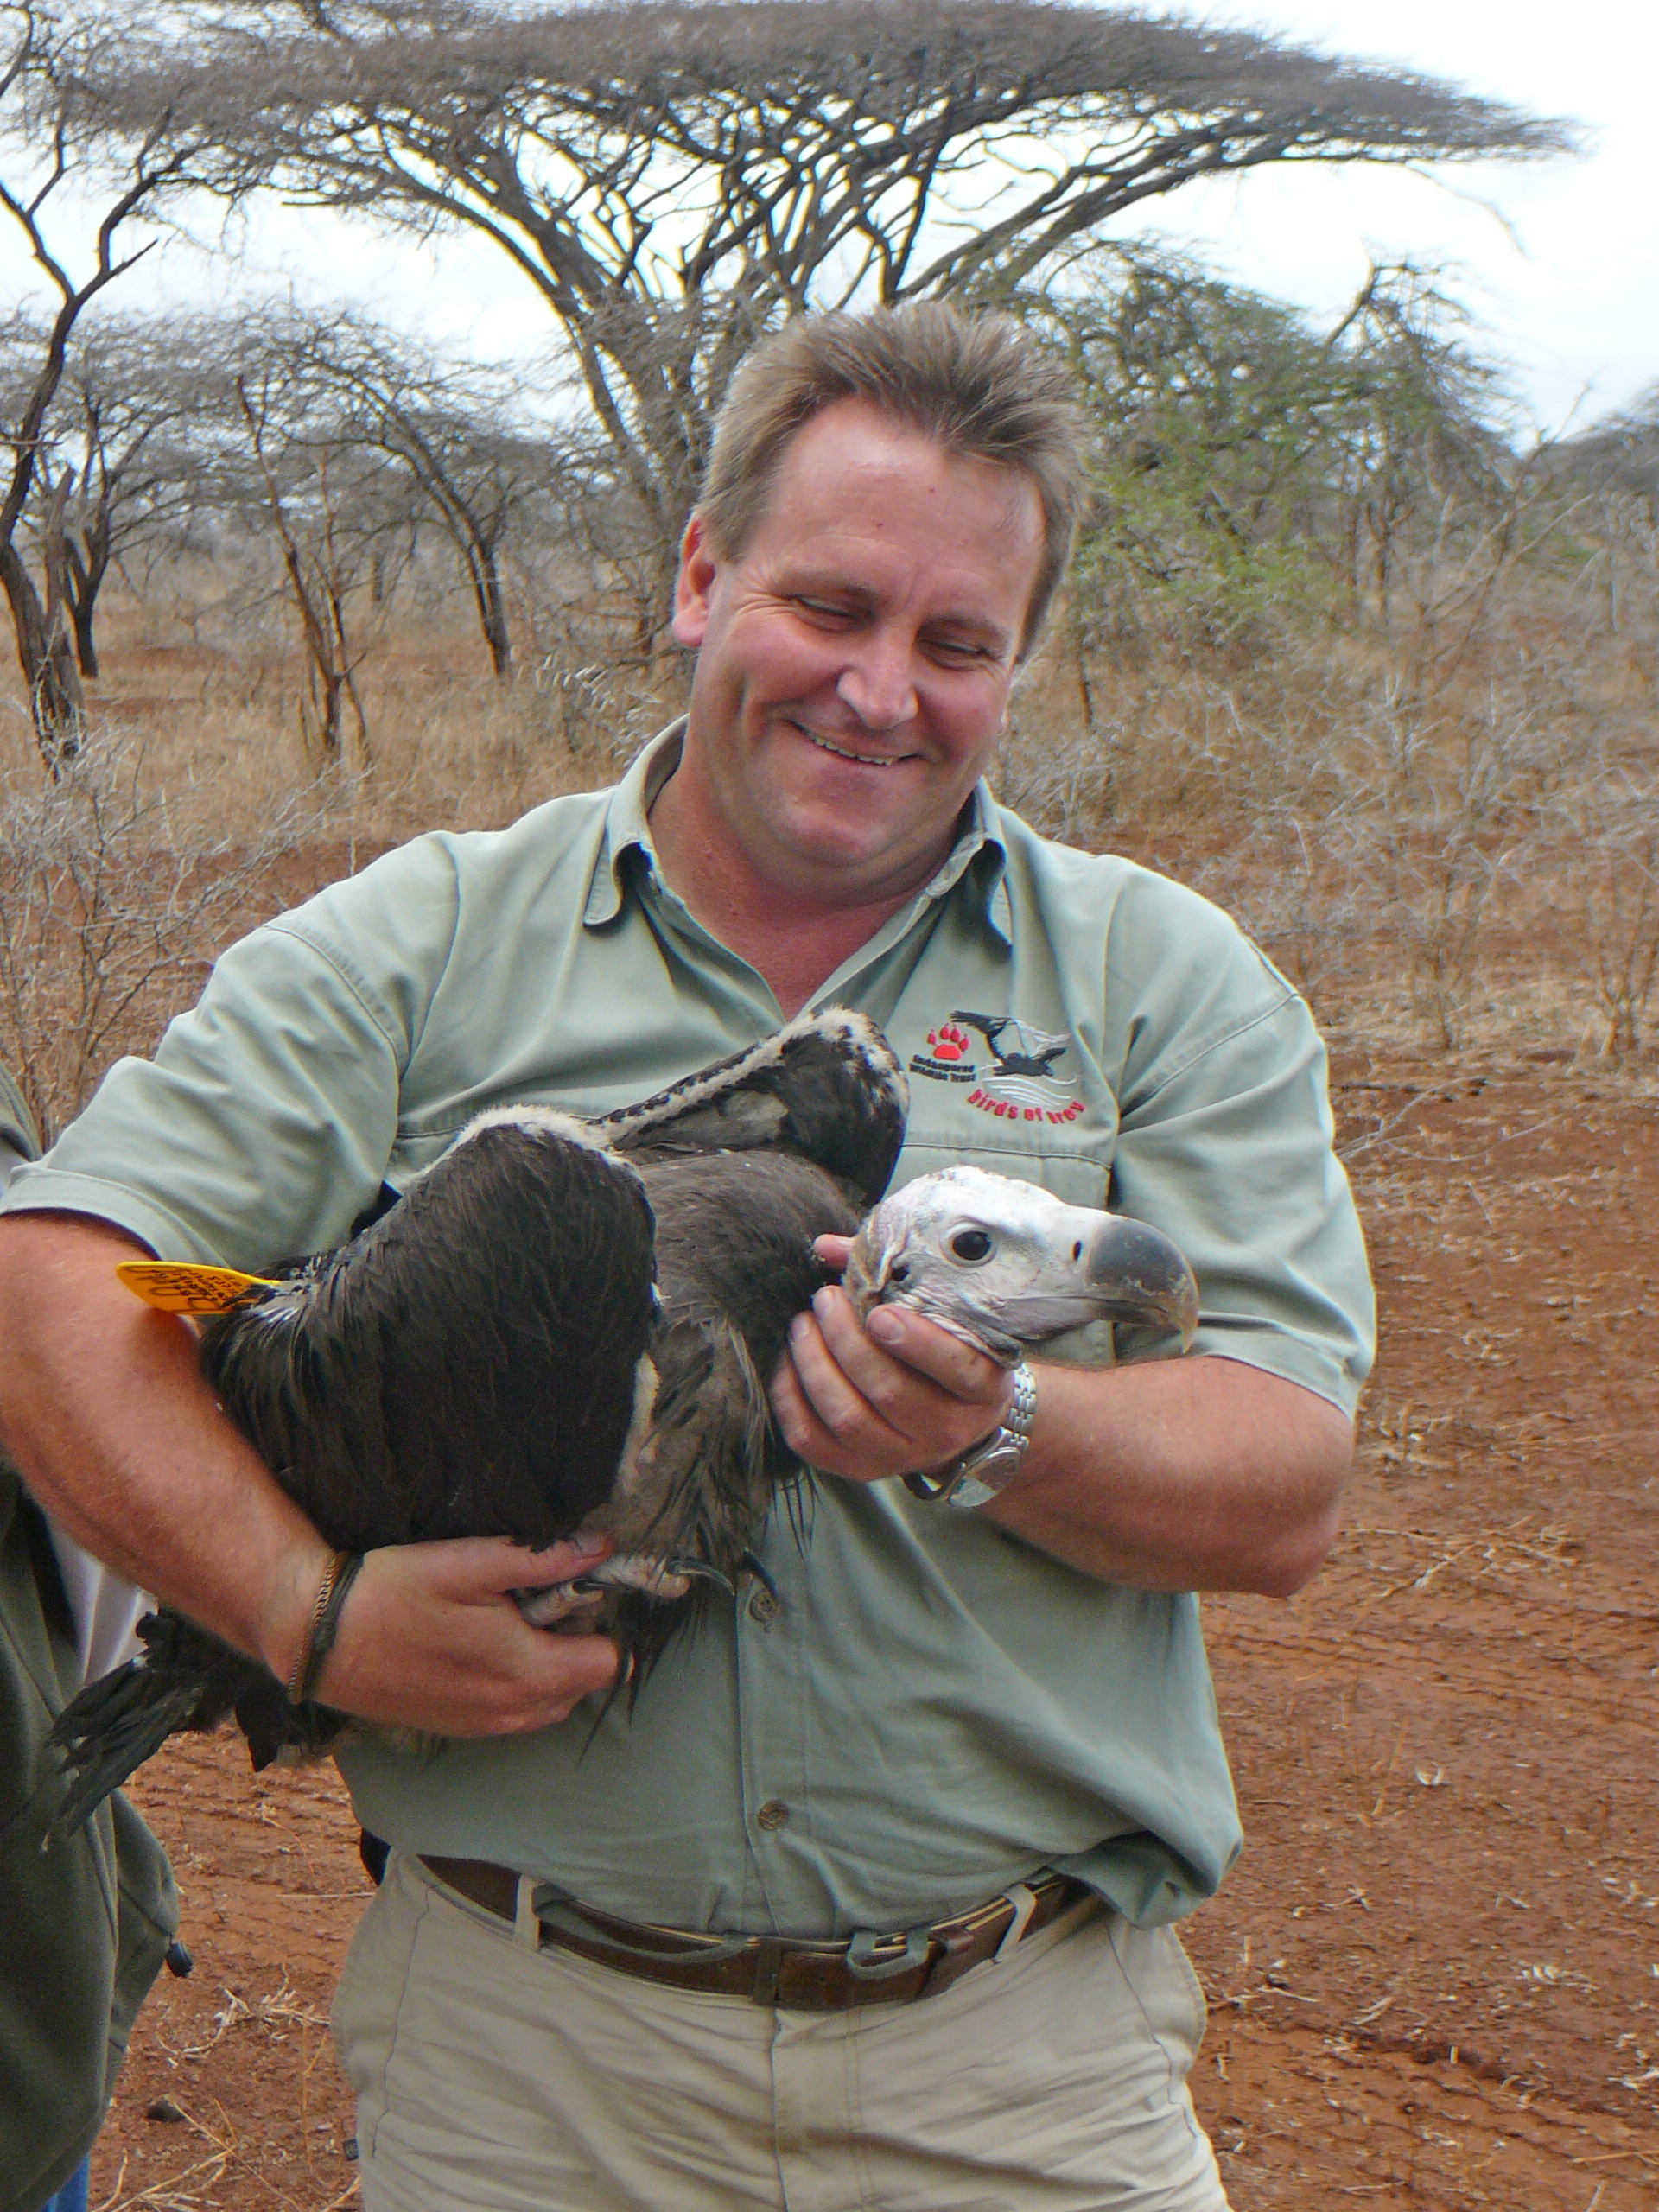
(1225, 1142)
(263, 1126)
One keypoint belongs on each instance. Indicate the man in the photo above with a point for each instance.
(869, 1901)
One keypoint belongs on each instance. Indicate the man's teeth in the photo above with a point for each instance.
(864, 759)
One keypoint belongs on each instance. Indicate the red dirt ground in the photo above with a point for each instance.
(1434, 1977)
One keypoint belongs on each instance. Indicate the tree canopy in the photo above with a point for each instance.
(1245, 456)
(675, 178)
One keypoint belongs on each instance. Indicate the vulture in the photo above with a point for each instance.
(566, 1324)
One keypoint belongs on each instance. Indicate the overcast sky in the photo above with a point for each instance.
(1574, 293)
(1566, 274)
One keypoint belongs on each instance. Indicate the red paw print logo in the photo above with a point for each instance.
(947, 1043)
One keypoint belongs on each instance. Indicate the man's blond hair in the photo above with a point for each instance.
(977, 384)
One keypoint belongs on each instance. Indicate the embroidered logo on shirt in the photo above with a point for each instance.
(1022, 1083)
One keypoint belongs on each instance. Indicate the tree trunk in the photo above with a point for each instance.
(56, 702)
(81, 610)
(320, 718)
(87, 572)
(485, 577)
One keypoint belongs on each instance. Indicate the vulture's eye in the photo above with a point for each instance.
(972, 1244)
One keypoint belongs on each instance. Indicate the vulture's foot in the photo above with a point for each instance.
(650, 1577)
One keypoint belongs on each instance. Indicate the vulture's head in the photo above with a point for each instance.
(1011, 1268)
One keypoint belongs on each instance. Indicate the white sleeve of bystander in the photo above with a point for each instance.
(105, 1609)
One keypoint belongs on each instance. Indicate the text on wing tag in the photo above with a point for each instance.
(182, 1286)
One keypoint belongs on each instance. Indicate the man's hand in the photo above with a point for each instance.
(897, 1397)
(430, 1639)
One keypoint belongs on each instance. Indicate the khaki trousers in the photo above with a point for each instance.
(494, 2077)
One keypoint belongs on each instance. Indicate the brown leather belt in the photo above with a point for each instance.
(774, 1969)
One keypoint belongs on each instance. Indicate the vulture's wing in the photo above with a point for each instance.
(186, 1679)
(467, 1365)
(490, 1356)
(826, 1087)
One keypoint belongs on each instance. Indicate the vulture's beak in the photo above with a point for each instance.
(1143, 1277)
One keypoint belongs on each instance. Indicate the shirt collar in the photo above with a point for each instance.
(980, 846)
(628, 827)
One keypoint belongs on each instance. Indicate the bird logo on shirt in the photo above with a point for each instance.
(1023, 1081)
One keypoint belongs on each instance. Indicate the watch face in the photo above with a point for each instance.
(977, 1484)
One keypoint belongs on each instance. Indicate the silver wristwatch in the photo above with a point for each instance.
(991, 1463)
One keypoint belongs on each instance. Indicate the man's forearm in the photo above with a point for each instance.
(1180, 1474)
(1198, 1473)
(105, 1411)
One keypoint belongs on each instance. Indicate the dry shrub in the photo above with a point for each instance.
(1401, 848)
(1600, 844)
(111, 913)
(1454, 851)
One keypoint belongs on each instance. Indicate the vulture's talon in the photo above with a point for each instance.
(751, 1563)
(642, 1573)
(557, 1602)
(697, 1570)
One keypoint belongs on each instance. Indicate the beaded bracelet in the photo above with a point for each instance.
(337, 1577)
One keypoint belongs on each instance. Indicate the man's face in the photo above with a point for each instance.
(854, 662)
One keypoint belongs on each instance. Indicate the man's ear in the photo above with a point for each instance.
(694, 585)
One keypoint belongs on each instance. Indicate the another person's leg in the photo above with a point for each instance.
(72, 2198)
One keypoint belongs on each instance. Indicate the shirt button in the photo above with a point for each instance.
(773, 1814)
(764, 1607)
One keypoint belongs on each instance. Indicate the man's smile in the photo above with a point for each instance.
(846, 752)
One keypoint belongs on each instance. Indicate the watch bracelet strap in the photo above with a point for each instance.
(1013, 1433)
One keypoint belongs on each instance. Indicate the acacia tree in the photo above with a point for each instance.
(675, 178)
(321, 496)
(85, 112)
(1607, 483)
(1246, 457)
(455, 429)
(115, 459)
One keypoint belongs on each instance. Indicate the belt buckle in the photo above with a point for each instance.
(864, 1966)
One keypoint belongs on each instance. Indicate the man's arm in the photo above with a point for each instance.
(103, 1409)
(1192, 1474)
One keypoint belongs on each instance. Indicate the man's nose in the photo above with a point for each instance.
(878, 686)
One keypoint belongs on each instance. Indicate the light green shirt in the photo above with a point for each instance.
(938, 1709)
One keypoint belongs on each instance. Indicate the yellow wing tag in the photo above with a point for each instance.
(178, 1287)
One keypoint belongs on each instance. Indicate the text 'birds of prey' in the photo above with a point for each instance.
(567, 1325)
